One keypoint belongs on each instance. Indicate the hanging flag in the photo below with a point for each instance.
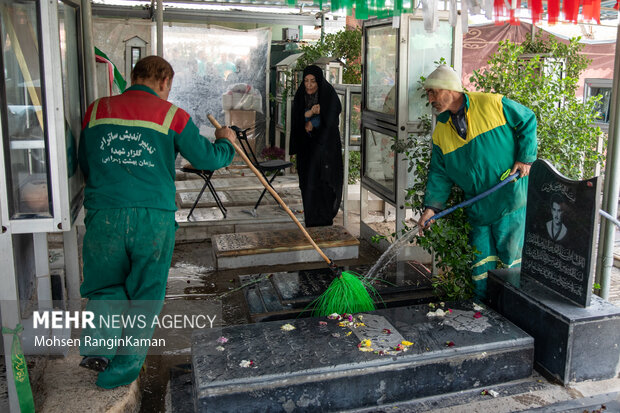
(571, 10)
(115, 77)
(536, 6)
(553, 11)
(591, 10)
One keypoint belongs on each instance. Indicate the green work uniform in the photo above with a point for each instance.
(127, 152)
(499, 133)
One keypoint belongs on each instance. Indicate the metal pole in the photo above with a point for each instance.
(612, 185)
(159, 18)
(89, 52)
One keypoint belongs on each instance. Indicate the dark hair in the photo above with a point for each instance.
(556, 198)
(151, 67)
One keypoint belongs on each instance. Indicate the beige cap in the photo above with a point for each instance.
(444, 77)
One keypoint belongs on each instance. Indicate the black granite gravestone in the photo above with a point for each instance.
(319, 365)
(576, 334)
(559, 236)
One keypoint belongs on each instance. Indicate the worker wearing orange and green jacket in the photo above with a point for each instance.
(127, 152)
(477, 138)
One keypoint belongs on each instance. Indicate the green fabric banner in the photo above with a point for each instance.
(20, 371)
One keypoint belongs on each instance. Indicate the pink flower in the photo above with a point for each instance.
(478, 315)
(222, 340)
(322, 323)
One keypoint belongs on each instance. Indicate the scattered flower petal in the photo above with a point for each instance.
(449, 343)
(348, 333)
(406, 343)
(484, 392)
(387, 331)
(342, 324)
(478, 307)
(336, 335)
(478, 315)
(359, 325)
(220, 348)
(449, 311)
(431, 305)
(322, 323)
(247, 363)
(365, 343)
(334, 316)
(366, 349)
(222, 340)
(288, 327)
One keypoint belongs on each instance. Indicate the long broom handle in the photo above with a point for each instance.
(260, 177)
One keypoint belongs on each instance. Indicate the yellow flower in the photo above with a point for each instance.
(406, 343)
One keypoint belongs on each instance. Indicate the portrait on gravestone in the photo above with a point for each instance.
(556, 227)
(559, 230)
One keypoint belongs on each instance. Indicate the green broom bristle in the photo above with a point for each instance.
(348, 293)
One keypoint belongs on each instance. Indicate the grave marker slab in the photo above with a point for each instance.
(319, 367)
(286, 246)
(562, 214)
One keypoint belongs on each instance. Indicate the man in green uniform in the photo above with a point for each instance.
(127, 152)
(479, 136)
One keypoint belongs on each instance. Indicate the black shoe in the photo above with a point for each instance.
(96, 363)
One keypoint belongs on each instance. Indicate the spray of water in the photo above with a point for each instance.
(390, 254)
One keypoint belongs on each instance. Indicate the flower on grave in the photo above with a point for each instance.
(478, 315)
(364, 343)
(356, 325)
(478, 307)
(348, 333)
(399, 347)
(449, 311)
(336, 335)
(247, 363)
(431, 305)
(450, 344)
(387, 331)
(288, 327)
(334, 316)
(220, 348)
(442, 304)
(406, 343)
(222, 340)
(343, 324)
(367, 349)
(322, 323)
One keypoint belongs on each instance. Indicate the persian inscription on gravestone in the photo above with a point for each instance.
(559, 232)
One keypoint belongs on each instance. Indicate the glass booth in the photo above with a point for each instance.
(395, 56)
(350, 121)
(41, 109)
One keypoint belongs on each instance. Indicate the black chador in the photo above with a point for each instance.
(319, 152)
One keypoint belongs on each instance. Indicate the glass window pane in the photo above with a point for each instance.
(135, 56)
(68, 24)
(424, 50)
(27, 167)
(379, 158)
(355, 138)
(602, 108)
(381, 58)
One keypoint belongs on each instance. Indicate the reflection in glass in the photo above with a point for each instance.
(602, 107)
(27, 169)
(135, 56)
(381, 57)
(222, 72)
(379, 158)
(424, 50)
(68, 30)
(355, 138)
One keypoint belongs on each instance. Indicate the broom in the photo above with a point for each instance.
(348, 292)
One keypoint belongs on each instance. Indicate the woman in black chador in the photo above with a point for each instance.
(315, 139)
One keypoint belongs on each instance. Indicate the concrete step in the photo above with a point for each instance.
(318, 366)
(283, 246)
